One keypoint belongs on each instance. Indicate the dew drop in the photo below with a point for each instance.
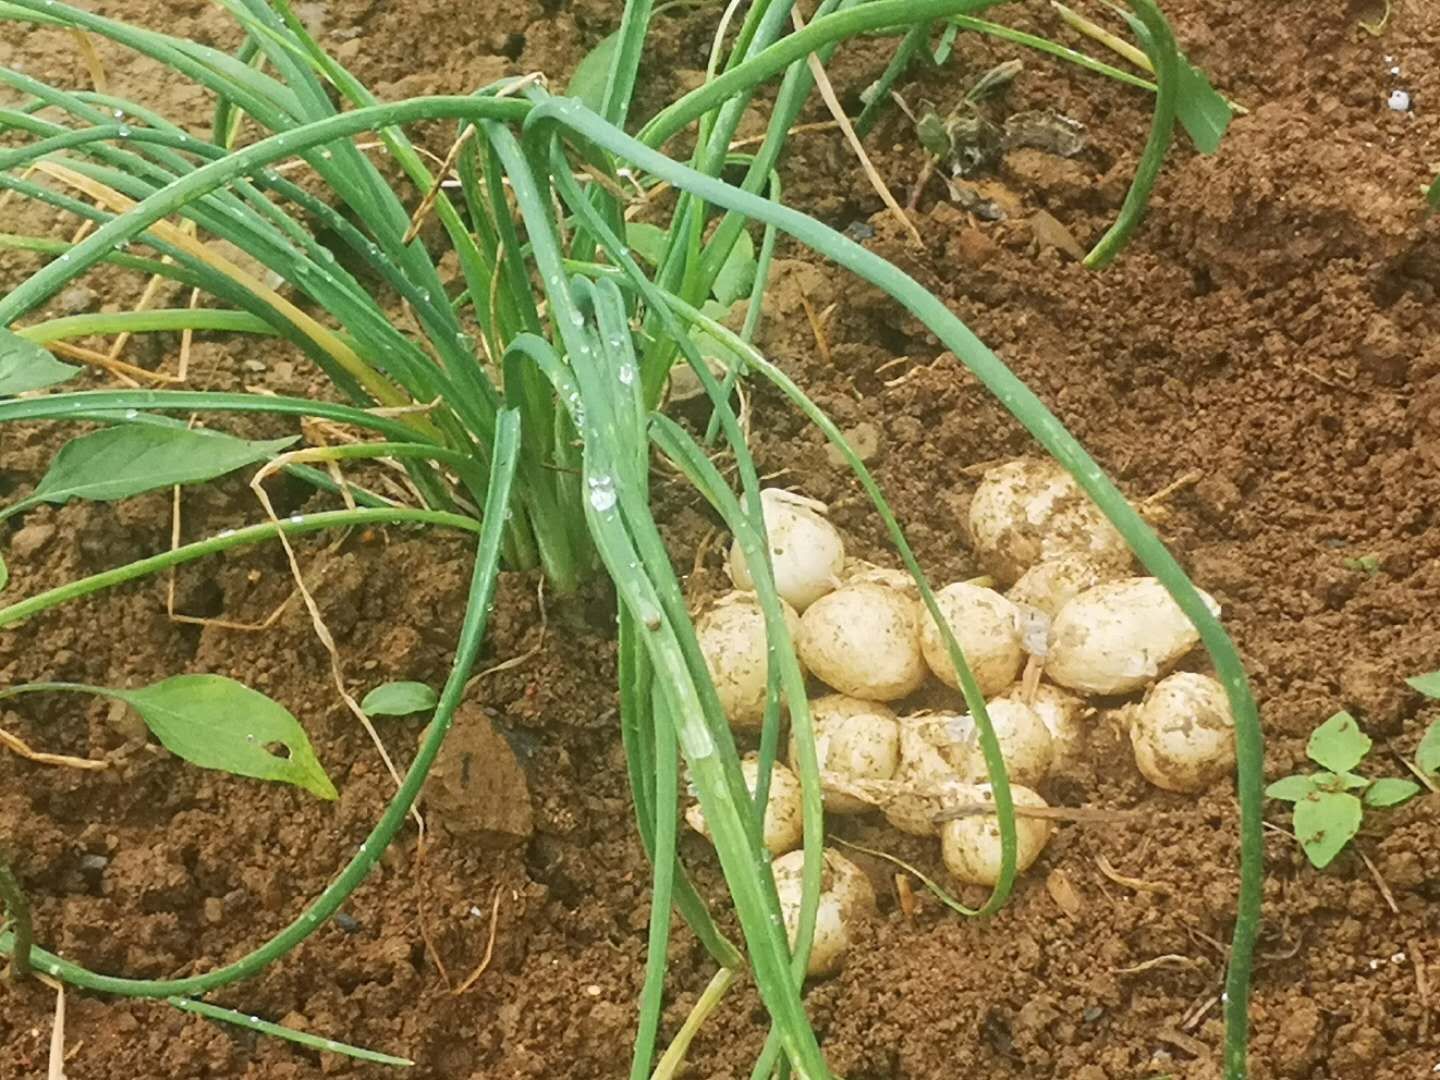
(626, 374)
(123, 131)
(226, 532)
(131, 414)
(296, 519)
(602, 493)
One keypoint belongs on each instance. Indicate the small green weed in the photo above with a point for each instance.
(1330, 804)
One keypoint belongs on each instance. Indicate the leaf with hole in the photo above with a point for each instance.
(1293, 788)
(1324, 823)
(218, 723)
(1390, 792)
(26, 366)
(121, 461)
(1338, 744)
(737, 273)
(592, 73)
(1428, 684)
(399, 699)
(1427, 754)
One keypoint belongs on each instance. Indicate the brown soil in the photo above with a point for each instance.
(1272, 338)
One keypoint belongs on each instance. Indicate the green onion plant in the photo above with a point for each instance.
(524, 402)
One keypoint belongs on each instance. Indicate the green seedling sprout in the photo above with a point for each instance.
(1330, 804)
(524, 408)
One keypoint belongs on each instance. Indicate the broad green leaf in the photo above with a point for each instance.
(117, 462)
(1390, 792)
(646, 241)
(218, 723)
(399, 699)
(1293, 788)
(1338, 744)
(710, 346)
(738, 273)
(1349, 781)
(1324, 823)
(1429, 684)
(592, 73)
(26, 366)
(1202, 112)
(1427, 755)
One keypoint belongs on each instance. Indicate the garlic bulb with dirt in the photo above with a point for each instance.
(1031, 510)
(926, 783)
(855, 740)
(731, 633)
(970, 844)
(846, 898)
(1183, 733)
(986, 627)
(1050, 585)
(784, 812)
(864, 641)
(806, 551)
(1061, 712)
(1118, 636)
(1024, 740)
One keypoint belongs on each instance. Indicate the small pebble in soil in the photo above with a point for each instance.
(859, 231)
(1399, 101)
(348, 923)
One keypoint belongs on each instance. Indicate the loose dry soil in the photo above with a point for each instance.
(1271, 341)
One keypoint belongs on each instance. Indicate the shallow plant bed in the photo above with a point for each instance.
(1262, 361)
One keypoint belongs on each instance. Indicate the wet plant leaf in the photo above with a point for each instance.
(588, 81)
(1338, 744)
(26, 366)
(1293, 788)
(1324, 823)
(1390, 792)
(399, 699)
(1427, 755)
(738, 273)
(121, 461)
(218, 723)
(1428, 684)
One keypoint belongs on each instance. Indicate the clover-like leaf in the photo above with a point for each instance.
(1325, 822)
(1390, 792)
(1428, 684)
(399, 699)
(738, 272)
(1294, 788)
(1338, 744)
(588, 80)
(1427, 755)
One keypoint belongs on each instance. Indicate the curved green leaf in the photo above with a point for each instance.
(218, 723)
(1324, 823)
(1338, 744)
(118, 462)
(26, 366)
(399, 699)
(737, 273)
(1427, 755)
(1390, 792)
(1428, 684)
(1292, 788)
(588, 81)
